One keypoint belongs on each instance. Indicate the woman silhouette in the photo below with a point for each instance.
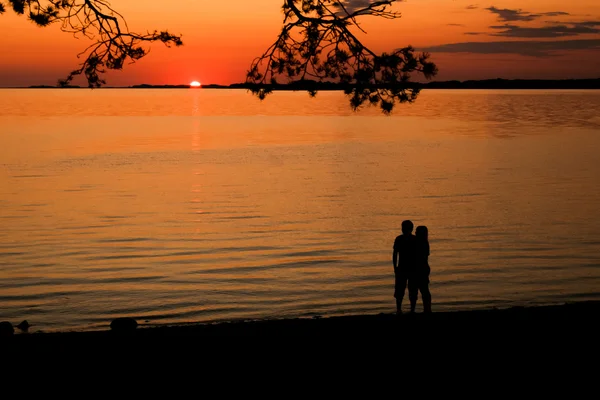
(422, 269)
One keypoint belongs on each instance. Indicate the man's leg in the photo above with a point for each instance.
(398, 306)
(399, 293)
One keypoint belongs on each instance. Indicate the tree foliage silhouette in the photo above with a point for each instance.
(316, 44)
(113, 44)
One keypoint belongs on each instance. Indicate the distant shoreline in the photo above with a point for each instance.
(509, 84)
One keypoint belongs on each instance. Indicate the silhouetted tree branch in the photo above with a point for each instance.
(112, 42)
(316, 44)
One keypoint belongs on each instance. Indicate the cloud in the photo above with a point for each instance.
(472, 7)
(587, 23)
(553, 31)
(532, 48)
(462, 25)
(353, 5)
(555, 13)
(508, 15)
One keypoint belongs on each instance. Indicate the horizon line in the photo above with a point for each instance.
(240, 85)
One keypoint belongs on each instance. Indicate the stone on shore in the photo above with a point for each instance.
(24, 326)
(6, 329)
(123, 325)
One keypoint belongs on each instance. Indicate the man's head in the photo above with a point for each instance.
(407, 227)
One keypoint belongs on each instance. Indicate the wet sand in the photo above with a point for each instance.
(535, 348)
(524, 322)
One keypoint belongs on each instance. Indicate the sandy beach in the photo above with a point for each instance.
(507, 349)
(514, 324)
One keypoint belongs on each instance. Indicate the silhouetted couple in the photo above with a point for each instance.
(411, 266)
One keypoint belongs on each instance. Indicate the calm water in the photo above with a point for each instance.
(203, 205)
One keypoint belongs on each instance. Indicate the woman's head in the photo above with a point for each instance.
(422, 232)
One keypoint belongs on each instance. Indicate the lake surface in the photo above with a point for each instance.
(174, 206)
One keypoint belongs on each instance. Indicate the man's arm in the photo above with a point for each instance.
(395, 259)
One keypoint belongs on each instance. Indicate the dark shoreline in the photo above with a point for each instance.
(562, 338)
(532, 351)
(527, 319)
(488, 84)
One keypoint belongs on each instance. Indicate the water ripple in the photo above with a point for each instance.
(223, 217)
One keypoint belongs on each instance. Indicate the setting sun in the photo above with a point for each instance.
(195, 84)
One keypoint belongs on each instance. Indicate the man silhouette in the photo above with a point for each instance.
(404, 259)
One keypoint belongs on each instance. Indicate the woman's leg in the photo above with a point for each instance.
(426, 296)
(413, 293)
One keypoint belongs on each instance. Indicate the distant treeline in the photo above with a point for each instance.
(516, 84)
(54, 87)
(472, 84)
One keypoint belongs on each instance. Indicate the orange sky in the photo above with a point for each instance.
(221, 39)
